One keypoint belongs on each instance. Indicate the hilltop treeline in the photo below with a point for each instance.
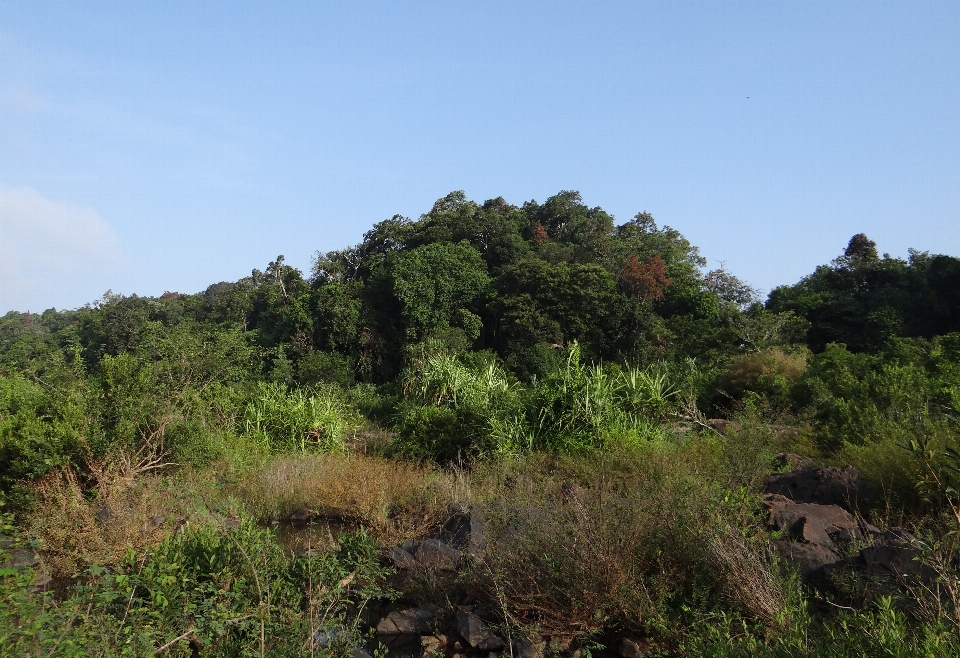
(541, 340)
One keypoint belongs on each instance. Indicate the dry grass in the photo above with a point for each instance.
(747, 578)
(141, 513)
(395, 500)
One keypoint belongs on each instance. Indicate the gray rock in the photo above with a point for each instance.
(476, 632)
(104, 514)
(324, 637)
(410, 546)
(465, 529)
(23, 558)
(402, 559)
(630, 649)
(359, 653)
(529, 648)
(435, 554)
(413, 621)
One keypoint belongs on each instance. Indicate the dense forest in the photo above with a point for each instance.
(614, 414)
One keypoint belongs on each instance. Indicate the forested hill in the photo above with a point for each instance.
(612, 410)
(523, 282)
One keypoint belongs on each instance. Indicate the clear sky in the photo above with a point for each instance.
(152, 146)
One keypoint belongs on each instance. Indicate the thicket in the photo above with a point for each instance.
(558, 368)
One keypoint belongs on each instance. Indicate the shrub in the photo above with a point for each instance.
(298, 419)
(213, 591)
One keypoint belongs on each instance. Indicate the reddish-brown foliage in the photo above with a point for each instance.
(645, 281)
(540, 234)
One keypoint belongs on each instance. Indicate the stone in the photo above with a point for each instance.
(154, 522)
(529, 648)
(465, 529)
(402, 559)
(104, 514)
(42, 583)
(476, 633)
(23, 558)
(430, 645)
(413, 621)
(811, 522)
(810, 559)
(410, 546)
(896, 561)
(719, 425)
(823, 486)
(301, 516)
(630, 649)
(435, 554)
(560, 644)
(359, 653)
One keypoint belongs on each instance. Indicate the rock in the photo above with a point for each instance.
(410, 546)
(413, 621)
(104, 514)
(22, 558)
(5, 542)
(560, 644)
(810, 522)
(720, 426)
(154, 522)
(324, 637)
(529, 648)
(42, 583)
(359, 653)
(810, 559)
(465, 529)
(301, 516)
(794, 461)
(435, 554)
(824, 486)
(430, 645)
(896, 561)
(402, 559)
(476, 632)
(630, 649)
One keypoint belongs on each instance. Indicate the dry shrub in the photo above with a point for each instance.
(769, 372)
(747, 579)
(606, 548)
(394, 499)
(134, 515)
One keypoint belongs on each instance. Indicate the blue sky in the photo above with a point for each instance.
(156, 146)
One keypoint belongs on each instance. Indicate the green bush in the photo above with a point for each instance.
(299, 419)
(215, 591)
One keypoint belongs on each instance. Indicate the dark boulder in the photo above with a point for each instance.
(823, 486)
(810, 559)
(476, 633)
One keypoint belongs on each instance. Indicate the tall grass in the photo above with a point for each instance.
(299, 419)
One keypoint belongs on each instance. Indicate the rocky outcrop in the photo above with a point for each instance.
(823, 486)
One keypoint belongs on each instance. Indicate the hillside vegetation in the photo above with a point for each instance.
(613, 413)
